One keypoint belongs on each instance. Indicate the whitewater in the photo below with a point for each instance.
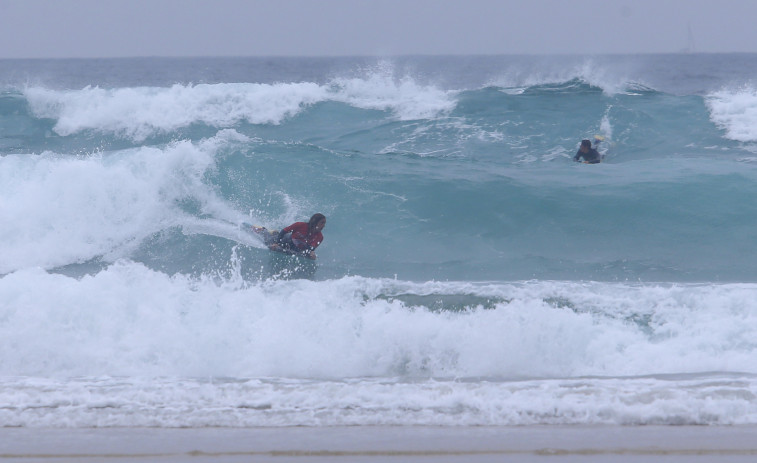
(471, 273)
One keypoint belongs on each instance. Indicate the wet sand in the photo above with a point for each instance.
(383, 444)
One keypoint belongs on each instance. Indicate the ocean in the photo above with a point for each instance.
(471, 273)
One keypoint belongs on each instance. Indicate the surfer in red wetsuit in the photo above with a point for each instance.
(300, 237)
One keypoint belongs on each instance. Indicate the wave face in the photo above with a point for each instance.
(471, 273)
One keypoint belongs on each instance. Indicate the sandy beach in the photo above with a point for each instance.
(383, 444)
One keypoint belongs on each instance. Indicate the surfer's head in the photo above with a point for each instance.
(585, 145)
(316, 223)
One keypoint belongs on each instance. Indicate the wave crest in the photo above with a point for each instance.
(138, 113)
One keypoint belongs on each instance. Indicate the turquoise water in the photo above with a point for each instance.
(462, 240)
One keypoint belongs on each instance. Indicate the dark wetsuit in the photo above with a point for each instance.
(591, 157)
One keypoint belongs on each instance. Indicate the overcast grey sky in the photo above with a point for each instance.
(117, 28)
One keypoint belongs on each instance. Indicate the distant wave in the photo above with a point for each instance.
(585, 75)
(140, 112)
(575, 85)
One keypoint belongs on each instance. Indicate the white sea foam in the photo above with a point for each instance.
(130, 347)
(129, 320)
(735, 111)
(225, 402)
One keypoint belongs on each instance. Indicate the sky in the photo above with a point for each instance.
(128, 28)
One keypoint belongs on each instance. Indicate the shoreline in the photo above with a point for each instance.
(381, 444)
